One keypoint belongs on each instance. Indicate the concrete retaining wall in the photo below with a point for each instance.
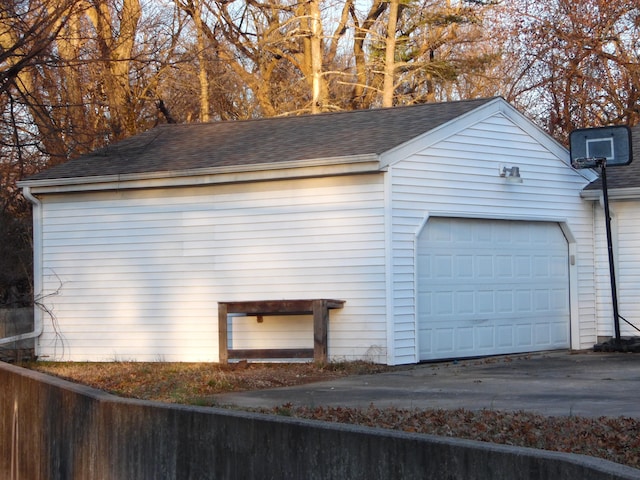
(14, 321)
(51, 429)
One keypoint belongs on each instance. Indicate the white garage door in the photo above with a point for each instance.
(489, 287)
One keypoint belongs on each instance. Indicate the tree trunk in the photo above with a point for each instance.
(202, 65)
(318, 99)
(117, 54)
(390, 56)
(360, 97)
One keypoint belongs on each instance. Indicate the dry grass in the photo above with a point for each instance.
(192, 383)
(615, 439)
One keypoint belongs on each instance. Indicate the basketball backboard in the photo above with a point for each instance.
(589, 146)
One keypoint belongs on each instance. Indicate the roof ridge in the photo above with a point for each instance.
(324, 114)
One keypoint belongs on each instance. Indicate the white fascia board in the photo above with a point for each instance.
(613, 194)
(356, 164)
(439, 133)
(544, 139)
(497, 106)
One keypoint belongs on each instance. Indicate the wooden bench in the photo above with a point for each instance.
(319, 308)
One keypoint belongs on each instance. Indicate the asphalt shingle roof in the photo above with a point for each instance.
(170, 148)
(627, 176)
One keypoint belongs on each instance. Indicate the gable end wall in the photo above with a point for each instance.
(458, 177)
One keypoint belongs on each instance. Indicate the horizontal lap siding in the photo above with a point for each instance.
(625, 226)
(459, 176)
(137, 275)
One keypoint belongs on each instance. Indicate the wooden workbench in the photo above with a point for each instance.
(319, 308)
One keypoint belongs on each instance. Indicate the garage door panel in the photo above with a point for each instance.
(450, 306)
(542, 334)
(488, 333)
(443, 303)
(541, 266)
(560, 333)
(491, 287)
(464, 266)
(541, 301)
(504, 266)
(523, 336)
(505, 336)
(464, 338)
(504, 301)
(443, 267)
(485, 337)
(523, 267)
(558, 268)
(444, 340)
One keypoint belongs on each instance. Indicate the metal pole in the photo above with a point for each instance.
(612, 271)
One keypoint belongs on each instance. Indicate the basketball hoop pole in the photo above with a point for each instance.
(592, 148)
(612, 272)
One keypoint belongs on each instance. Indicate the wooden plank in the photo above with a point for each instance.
(222, 333)
(320, 327)
(278, 307)
(271, 307)
(271, 353)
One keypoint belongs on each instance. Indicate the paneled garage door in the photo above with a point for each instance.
(489, 287)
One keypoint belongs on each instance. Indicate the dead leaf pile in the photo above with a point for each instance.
(614, 439)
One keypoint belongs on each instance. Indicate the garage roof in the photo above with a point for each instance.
(191, 147)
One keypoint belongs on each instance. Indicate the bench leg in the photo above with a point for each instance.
(223, 352)
(320, 328)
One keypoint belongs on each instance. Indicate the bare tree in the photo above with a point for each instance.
(97, 80)
(574, 64)
(27, 29)
(429, 51)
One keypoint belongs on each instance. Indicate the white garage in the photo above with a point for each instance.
(491, 287)
(438, 227)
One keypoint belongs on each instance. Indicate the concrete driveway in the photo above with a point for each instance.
(551, 383)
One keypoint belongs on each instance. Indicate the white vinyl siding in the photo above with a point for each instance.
(625, 226)
(137, 275)
(457, 176)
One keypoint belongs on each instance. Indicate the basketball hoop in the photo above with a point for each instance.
(611, 144)
(588, 162)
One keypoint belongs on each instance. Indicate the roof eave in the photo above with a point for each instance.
(632, 193)
(318, 167)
